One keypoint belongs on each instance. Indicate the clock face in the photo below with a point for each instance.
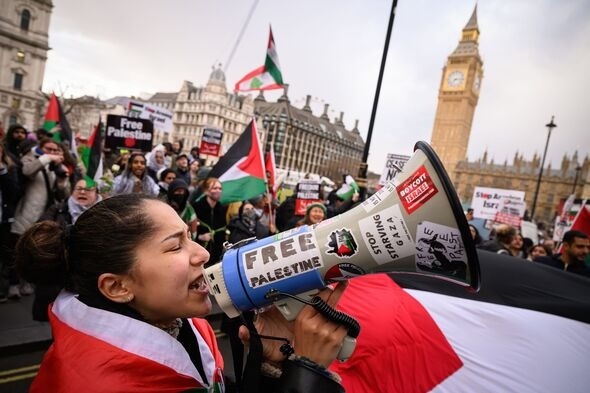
(455, 78)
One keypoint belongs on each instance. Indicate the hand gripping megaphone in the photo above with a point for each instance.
(413, 225)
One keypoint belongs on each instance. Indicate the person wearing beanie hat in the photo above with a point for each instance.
(182, 168)
(315, 213)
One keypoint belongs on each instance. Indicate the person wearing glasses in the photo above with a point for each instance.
(46, 177)
(63, 213)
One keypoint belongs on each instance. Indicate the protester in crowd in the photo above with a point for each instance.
(169, 157)
(63, 213)
(212, 222)
(67, 212)
(574, 251)
(194, 155)
(538, 250)
(500, 244)
(135, 179)
(129, 318)
(469, 214)
(46, 177)
(74, 167)
(337, 205)
(314, 214)
(477, 240)
(14, 136)
(177, 147)
(182, 168)
(10, 193)
(549, 246)
(166, 177)
(155, 161)
(264, 213)
(194, 168)
(246, 224)
(517, 246)
(41, 133)
(285, 215)
(177, 198)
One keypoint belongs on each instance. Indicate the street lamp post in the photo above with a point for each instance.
(362, 173)
(550, 127)
(578, 169)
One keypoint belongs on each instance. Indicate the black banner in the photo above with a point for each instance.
(129, 133)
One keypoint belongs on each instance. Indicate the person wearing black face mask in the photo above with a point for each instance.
(246, 225)
(177, 198)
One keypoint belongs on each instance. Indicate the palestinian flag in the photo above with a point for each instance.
(241, 169)
(526, 330)
(266, 77)
(92, 157)
(349, 187)
(55, 117)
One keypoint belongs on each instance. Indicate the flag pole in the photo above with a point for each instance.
(362, 173)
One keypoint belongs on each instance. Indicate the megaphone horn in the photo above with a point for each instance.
(413, 225)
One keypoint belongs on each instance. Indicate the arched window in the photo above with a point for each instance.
(25, 19)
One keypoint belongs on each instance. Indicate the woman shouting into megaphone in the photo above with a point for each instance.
(130, 315)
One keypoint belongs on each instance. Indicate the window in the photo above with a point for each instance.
(18, 81)
(25, 19)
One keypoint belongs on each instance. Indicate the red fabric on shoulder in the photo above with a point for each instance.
(77, 362)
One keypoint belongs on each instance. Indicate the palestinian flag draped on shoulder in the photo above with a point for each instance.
(266, 77)
(241, 169)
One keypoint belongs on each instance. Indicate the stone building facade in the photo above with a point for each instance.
(212, 106)
(24, 26)
(307, 143)
(522, 175)
(457, 98)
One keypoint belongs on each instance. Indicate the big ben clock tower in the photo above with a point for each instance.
(457, 98)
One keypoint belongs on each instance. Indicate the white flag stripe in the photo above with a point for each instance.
(509, 349)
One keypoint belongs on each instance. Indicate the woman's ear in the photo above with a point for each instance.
(114, 287)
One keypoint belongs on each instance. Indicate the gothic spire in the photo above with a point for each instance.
(472, 24)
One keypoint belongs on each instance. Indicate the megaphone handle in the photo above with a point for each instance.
(348, 345)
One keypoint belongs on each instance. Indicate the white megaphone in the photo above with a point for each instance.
(413, 225)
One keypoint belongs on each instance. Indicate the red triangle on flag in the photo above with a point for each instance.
(253, 164)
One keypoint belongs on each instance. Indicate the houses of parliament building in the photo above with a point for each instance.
(457, 100)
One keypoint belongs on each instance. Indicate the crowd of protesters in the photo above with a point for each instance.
(507, 240)
(42, 180)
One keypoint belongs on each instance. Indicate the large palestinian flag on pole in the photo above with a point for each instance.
(55, 117)
(241, 169)
(527, 330)
(266, 77)
(92, 157)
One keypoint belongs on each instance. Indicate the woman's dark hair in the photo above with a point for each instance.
(103, 240)
(478, 239)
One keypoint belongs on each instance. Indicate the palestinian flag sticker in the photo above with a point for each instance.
(343, 271)
(342, 243)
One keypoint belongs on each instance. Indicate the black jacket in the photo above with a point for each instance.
(555, 261)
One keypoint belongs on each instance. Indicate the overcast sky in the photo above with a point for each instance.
(536, 57)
